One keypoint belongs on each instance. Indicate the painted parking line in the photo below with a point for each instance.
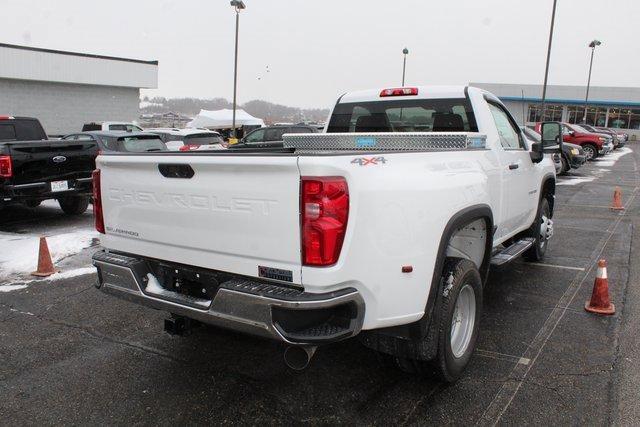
(502, 356)
(508, 391)
(565, 267)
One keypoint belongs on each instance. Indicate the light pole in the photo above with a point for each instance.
(592, 45)
(546, 69)
(238, 5)
(405, 51)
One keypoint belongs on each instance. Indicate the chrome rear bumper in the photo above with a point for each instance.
(259, 308)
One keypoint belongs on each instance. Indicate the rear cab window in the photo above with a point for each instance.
(125, 127)
(203, 139)
(406, 115)
(7, 132)
(141, 144)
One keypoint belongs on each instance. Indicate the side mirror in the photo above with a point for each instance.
(551, 135)
(536, 152)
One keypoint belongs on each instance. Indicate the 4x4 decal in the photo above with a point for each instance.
(364, 161)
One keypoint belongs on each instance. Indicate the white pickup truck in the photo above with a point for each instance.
(384, 226)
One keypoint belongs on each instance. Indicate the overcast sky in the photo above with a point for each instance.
(317, 49)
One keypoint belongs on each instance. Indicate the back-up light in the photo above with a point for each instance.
(325, 210)
(97, 201)
(6, 167)
(399, 91)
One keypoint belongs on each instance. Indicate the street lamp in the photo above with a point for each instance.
(592, 45)
(238, 5)
(405, 51)
(546, 68)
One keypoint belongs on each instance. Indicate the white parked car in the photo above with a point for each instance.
(125, 126)
(384, 227)
(189, 139)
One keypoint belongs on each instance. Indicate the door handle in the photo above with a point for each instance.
(513, 166)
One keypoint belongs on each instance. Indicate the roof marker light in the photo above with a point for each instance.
(399, 91)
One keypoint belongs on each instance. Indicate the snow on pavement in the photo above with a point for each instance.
(610, 159)
(19, 252)
(9, 288)
(57, 276)
(576, 181)
(598, 172)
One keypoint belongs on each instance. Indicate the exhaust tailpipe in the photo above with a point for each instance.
(297, 357)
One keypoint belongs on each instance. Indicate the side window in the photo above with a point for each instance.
(256, 136)
(70, 137)
(509, 136)
(299, 130)
(117, 127)
(84, 138)
(275, 134)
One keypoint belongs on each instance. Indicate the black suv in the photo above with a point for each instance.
(270, 136)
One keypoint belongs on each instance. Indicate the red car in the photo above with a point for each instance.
(593, 144)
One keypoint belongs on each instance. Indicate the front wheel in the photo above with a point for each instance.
(74, 205)
(541, 230)
(590, 151)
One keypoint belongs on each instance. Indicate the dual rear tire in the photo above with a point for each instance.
(457, 323)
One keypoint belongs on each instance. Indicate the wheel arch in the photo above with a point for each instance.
(458, 220)
(392, 339)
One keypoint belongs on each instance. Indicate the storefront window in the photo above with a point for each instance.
(552, 112)
(574, 114)
(619, 118)
(596, 116)
(634, 119)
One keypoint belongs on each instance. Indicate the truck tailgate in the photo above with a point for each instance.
(235, 214)
(49, 160)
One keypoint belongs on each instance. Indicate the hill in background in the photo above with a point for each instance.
(269, 112)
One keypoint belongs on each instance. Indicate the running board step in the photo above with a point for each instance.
(510, 253)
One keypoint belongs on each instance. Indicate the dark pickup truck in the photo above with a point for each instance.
(34, 168)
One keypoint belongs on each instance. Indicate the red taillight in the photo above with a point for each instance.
(325, 210)
(188, 147)
(6, 117)
(399, 91)
(97, 201)
(6, 167)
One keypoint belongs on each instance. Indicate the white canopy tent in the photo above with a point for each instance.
(223, 119)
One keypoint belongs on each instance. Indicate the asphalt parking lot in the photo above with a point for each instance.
(70, 354)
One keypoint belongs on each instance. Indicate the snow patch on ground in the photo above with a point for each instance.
(9, 288)
(72, 273)
(19, 252)
(610, 159)
(576, 181)
(54, 205)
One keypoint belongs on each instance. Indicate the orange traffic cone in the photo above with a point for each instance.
(617, 200)
(600, 302)
(45, 265)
